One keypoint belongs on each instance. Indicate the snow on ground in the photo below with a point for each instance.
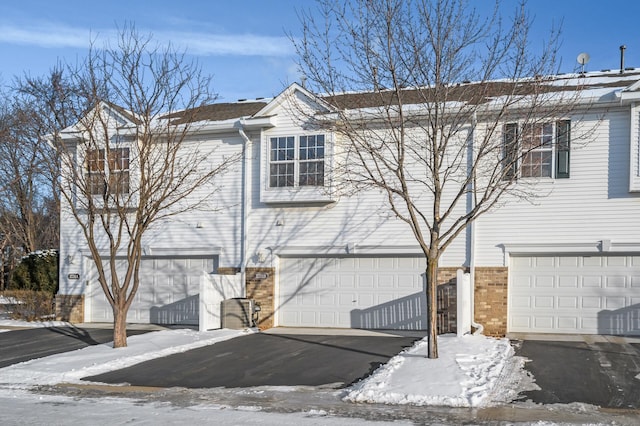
(22, 408)
(466, 374)
(30, 324)
(471, 371)
(70, 367)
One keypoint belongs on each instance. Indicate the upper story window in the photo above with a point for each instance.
(537, 150)
(296, 161)
(108, 171)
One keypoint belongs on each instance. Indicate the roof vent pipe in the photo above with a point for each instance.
(622, 58)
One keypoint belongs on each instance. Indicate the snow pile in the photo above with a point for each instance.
(70, 367)
(469, 372)
(31, 324)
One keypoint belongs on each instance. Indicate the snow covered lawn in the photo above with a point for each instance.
(472, 371)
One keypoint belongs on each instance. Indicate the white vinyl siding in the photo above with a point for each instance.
(594, 204)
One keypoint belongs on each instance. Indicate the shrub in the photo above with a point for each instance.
(28, 305)
(37, 271)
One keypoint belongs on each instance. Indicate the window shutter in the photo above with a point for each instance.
(510, 151)
(563, 145)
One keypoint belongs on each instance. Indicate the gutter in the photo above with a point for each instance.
(472, 234)
(245, 203)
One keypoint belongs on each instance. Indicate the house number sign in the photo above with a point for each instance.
(73, 276)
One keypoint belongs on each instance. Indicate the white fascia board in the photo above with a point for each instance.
(625, 96)
(286, 95)
(551, 248)
(253, 123)
(163, 251)
(352, 249)
(233, 125)
(594, 247)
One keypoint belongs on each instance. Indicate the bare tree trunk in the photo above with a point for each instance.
(432, 306)
(119, 326)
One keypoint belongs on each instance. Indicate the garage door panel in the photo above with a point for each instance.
(368, 293)
(568, 302)
(388, 281)
(590, 281)
(618, 282)
(544, 282)
(521, 302)
(542, 262)
(592, 261)
(615, 302)
(569, 261)
(543, 302)
(327, 299)
(591, 302)
(591, 323)
(616, 261)
(521, 322)
(568, 281)
(348, 282)
(522, 262)
(385, 298)
(167, 293)
(521, 282)
(366, 299)
(589, 295)
(346, 299)
(568, 323)
(543, 321)
(366, 281)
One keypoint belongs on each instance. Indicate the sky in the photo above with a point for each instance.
(245, 44)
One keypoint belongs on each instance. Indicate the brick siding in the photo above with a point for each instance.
(491, 299)
(262, 291)
(70, 308)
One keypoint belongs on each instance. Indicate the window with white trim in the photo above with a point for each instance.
(108, 171)
(296, 161)
(537, 150)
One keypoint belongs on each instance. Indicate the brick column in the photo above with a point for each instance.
(490, 295)
(260, 286)
(70, 308)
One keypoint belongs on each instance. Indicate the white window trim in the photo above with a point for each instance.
(553, 149)
(295, 194)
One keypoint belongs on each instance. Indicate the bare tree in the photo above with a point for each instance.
(131, 159)
(28, 213)
(418, 94)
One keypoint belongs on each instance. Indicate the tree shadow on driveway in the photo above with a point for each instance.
(263, 359)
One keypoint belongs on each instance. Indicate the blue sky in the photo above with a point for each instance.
(244, 43)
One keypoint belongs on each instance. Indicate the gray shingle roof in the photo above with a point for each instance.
(216, 112)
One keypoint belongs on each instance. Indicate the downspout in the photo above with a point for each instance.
(472, 233)
(245, 205)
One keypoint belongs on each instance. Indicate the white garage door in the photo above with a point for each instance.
(168, 292)
(352, 292)
(575, 294)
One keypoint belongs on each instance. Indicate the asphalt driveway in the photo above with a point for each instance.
(265, 359)
(23, 345)
(598, 370)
